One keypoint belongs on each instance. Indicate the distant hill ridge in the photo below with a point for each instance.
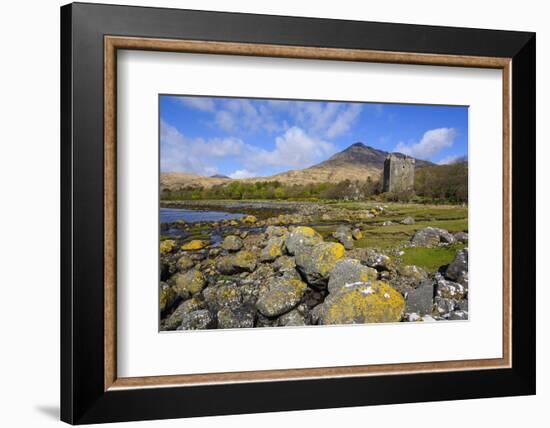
(356, 163)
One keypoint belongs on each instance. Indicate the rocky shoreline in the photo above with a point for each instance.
(277, 270)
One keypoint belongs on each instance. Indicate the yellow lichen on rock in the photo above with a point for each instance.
(167, 297)
(249, 219)
(327, 256)
(189, 283)
(369, 302)
(195, 244)
(167, 246)
(281, 295)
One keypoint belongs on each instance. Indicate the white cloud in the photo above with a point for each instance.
(295, 148)
(343, 121)
(242, 173)
(323, 119)
(194, 155)
(447, 160)
(430, 145)
(199, 103)
(225, 120)
(242, 116)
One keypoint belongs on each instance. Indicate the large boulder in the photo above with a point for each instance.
(431, 237)
(361, 303)
(458, 269)
(302, 236)
(273, 249)
(420, 300)
(188, 283)
(281, 296)
(344, 236)
(197, 320)
(315, 263)
(242, 317)
(232, 243)
(349, 271)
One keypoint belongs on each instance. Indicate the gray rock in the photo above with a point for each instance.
(316, 314)
(232, 243)
(292, 318)
(344, 236)
(315, 263)
(225, 295)
(407, 278)
(444, 306)
(458, 269)
(242, 317)
(366, 302)
(349, 271)
(462, 305)
(273, 249)
(175, 318)
(377, 260)
(461, 237)
(185, 263)
(281, 296)
(446, 237)
(449, 289)
(285, 263)
(188, 283)
(458, 315)
(197, 320)
(407, 220)
(431, 237)
(272, 231)
(167, 296)
(421, 299)
(244, 260)
(302, 236)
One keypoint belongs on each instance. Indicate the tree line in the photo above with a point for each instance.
(438, 183)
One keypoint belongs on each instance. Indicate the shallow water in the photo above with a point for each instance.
(168, 215)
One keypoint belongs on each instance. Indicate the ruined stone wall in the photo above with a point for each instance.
(398, 174)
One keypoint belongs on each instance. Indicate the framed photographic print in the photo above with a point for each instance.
(265, 213)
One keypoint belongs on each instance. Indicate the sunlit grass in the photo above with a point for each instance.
(430, 259)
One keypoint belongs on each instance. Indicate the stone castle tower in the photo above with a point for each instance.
(398, 173)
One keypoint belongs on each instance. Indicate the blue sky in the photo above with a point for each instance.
(243, 137)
